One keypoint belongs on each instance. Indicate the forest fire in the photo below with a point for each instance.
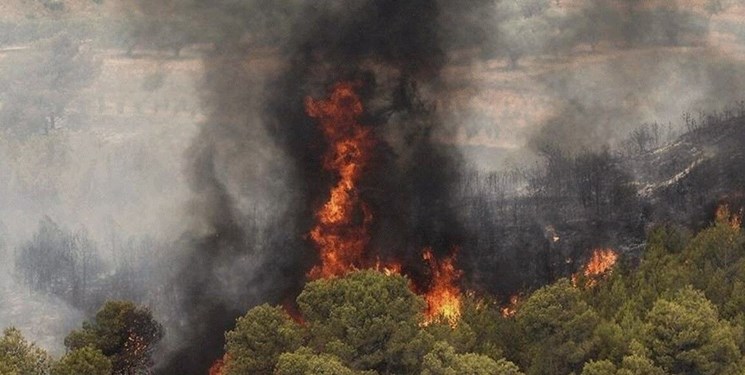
(293, 312)
(511, 309)
(601, 262)
(388, 268)
(218, 368)
(724, 215)
(341, 234)
(444, 297)
(341, 231)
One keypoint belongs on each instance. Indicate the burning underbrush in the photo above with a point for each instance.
(341, 234)
(373, 320)
(370, 318)
(444, 296)
(363, 302)
(364, 307)
(601, 263)
(356, 301)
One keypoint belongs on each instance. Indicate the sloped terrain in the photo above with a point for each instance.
(686, 180)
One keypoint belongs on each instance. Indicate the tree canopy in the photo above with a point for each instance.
(123, 332)
(17, 356)
(662, 315)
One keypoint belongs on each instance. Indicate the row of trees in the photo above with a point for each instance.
(514, 30)
(499, 28)
(364, 323)
(677, 310)
(60, 263)
(69, 265)
(535, 224)
(528, 226)
(119, 340)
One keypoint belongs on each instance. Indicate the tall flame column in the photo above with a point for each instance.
(341, 231)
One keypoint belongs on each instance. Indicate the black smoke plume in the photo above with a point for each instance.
(256, 165)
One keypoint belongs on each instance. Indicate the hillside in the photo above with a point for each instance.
(687, 179)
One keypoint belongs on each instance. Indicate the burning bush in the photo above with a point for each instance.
(601, 263)
(123, 332)
(363, 321)
(444, 296)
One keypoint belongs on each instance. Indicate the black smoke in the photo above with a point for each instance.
(256, 164)
(257, 178)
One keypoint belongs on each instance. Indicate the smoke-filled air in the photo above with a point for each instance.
(372, 187)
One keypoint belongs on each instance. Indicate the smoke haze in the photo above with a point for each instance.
(184, 151)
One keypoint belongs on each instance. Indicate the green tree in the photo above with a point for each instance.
(259, 338)
(685, 336)
(443, 360)
(631, 365)
(84, 361)
(662, 270)
(18, 357)
(123, 332)
(367, 319)
(714, 256)
(604, 367)
(493, 335)
(461, 337)
(612, 343)
(639, 365)
(305, 362)
(560, 329)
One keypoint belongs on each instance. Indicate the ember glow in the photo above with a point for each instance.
(601, 263)
(340, 233)
(218, 368)
(444, 296)
(511, 309)
(293, 312)
(388, 268)
(724, 215)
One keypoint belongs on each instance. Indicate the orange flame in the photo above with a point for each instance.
(388, 269)
(220, 366)
(292, 311)
(341, 231)
(340, 234)
(724, 215)
(511, 309)
(444, 296)
(601, 263)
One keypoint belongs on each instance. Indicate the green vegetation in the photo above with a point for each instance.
(677, 310)
(259, 338)
(19, 357)
(305, 362)
(120, 339)
(123, 332)
(364, 323)
(84, 361)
